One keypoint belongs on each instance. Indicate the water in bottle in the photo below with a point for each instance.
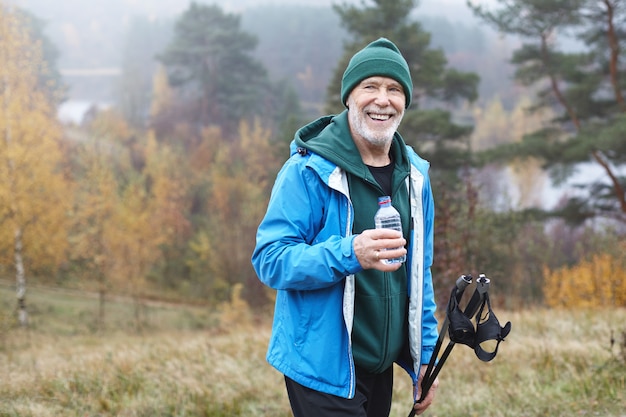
(387, 217)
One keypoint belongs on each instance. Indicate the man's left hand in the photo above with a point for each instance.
(430, 396)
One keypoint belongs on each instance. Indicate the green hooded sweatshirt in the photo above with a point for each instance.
(381, 301)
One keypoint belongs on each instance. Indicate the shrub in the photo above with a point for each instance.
(600, 281)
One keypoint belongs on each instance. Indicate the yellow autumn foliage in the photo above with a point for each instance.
(238, 180)
(34, 192)
(597, 282)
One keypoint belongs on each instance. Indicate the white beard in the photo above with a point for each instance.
(376, 137)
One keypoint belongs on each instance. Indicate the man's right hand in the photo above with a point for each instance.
(373, 245)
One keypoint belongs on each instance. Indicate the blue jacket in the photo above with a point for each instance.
(304, 250)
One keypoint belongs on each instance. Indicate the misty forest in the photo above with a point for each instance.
(139, 143)
(155, 190)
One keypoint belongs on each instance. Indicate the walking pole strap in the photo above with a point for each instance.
(488, 329)
(457, 293)
(458, 325)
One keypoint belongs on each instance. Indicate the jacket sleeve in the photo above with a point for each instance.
(430, 331)
(301, 243)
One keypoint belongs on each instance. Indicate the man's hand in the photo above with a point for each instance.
(428, 400)
(374, 245)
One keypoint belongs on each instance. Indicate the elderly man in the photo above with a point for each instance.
(343, 317)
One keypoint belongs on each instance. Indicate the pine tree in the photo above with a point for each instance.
(426, 125)
(210, 60)
(586, 86)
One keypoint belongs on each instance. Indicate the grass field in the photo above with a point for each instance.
(184, 361)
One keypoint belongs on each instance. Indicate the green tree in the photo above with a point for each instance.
(288, 117)
(427, 125)
(209, 59)
(33, 191)
(585, 84)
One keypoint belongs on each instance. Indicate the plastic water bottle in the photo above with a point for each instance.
(387, 217)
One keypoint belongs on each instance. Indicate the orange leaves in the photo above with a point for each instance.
(167, 180)
(237, 191)
(598, 282)
(133, 199)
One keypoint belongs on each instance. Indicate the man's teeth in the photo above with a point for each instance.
(380, 116)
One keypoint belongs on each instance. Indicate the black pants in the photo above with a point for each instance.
(372, 398)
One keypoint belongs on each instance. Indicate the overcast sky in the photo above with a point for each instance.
(453, 9)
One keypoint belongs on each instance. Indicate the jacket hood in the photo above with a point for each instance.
(329, 137)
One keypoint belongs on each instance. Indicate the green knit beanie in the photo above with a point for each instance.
(379, 58)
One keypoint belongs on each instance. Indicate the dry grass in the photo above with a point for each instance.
(166, 374)
(554, 363)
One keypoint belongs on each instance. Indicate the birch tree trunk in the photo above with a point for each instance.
(20, 279)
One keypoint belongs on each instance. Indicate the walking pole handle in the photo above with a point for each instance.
(461, 284)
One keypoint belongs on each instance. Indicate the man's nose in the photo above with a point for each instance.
(382, 97)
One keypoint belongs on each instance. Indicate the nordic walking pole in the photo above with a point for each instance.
(482, 287)
(461, 284)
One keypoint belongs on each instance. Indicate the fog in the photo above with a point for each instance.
(90, 37)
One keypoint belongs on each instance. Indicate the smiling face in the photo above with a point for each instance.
(375, 110)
